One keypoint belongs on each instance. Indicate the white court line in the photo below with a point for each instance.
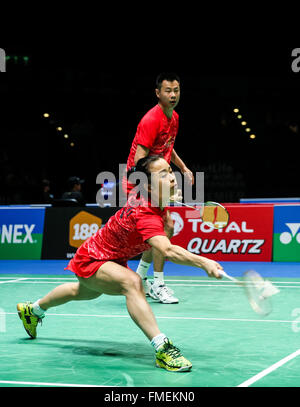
(270, 369)
(221, 282)
(200, 281)
(230, 285)
(217, 282)
(33, 282)
(177, 285)
(162, 317)
(12, 281)
(43, 278)
(50, 384)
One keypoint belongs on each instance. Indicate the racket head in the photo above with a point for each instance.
(214, 215)
(255, 287)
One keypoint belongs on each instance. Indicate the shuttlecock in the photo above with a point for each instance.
(269, 289)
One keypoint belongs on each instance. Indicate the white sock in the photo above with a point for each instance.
(158, 278)
(143, 268)
(37, 310)
(158, 341)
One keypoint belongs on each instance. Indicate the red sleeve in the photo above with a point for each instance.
(147, 132)
(149, 224)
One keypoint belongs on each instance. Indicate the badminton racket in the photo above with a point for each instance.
(258, 290)
(212, 213)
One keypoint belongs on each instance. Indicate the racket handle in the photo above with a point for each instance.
(227, 276)
(188, 206)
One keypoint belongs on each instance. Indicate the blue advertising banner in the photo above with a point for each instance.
(21, 233)
(286, 236)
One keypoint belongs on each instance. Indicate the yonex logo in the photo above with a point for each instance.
(286, 237)
(15, 234)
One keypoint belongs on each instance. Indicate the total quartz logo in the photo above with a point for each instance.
(178, 223)
(247, 237)
(226, 244)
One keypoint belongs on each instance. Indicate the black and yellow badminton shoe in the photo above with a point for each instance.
(28, 318)
(170, 358)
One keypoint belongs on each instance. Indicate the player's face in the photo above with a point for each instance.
(169, 94)
(163, 180)
(77, 187)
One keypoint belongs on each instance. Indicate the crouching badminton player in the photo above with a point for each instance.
(100, 263)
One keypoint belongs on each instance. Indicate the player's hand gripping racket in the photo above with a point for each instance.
(212, 213)
(258, 290)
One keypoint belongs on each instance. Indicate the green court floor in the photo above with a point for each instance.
(95, 343)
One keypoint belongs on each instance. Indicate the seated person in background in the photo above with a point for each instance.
(74, 190)
(47, 197)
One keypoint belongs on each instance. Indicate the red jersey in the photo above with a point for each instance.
(124, 236)
(157, 133)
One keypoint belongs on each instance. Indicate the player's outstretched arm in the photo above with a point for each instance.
(178, 255)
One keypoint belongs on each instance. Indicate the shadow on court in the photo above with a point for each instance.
(95, 348)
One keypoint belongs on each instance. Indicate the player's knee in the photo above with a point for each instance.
(74, 290)
(134, 283)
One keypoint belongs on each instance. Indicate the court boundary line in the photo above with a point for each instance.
(270, 369)
(164, 317)
(201, 284)
(13, 281)
(200, 281)
(173, 285)
(50, 384)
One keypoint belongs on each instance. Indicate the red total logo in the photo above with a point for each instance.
(248, 236)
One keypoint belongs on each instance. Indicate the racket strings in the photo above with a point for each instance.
(212, 214)
(259, 292)
(215, 215)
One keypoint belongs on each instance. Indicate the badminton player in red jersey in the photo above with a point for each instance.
(100, 264)
(156, 134)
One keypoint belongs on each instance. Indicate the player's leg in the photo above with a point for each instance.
(158, 258)
(159, 290)
(114, 279)
(142, 270)
(32, 313)
(65, 293)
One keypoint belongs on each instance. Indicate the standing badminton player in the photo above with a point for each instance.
(156, 134)
(100, 263)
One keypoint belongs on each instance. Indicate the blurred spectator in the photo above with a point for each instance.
(74, 190)
(222, 182)
(47, 197)
(14, 188)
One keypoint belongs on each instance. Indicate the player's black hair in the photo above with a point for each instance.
(166, 76)
(144, 163)
(143, 166)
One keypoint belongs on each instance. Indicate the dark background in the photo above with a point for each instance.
(99, 97)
